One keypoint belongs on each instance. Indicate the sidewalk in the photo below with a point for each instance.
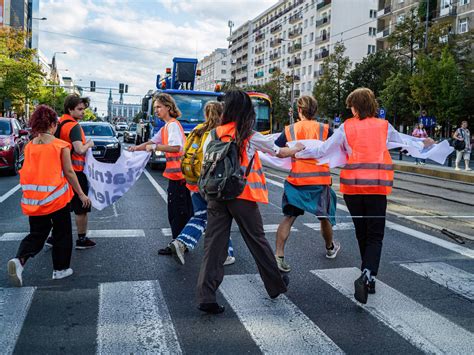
(433, 169)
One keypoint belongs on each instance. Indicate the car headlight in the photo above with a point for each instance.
(112, 145)
(5, 147)
(159, 153)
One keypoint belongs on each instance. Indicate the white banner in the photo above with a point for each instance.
(109, 182)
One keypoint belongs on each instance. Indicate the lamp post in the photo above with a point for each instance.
(292, 96)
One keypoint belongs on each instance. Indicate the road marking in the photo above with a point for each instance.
(134, 319)
(9, 193)
(277, 326)
(337, 227)
(158, 188)
(106, 233)
(14, 305)
(268, 228)
(454, 279)
(423, 328)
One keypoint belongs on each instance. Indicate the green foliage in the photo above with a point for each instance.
(138, 117)
(52, 96)
(422, 9)
(89, 115)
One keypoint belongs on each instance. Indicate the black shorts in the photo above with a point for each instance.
(76, 204)
(292, 211)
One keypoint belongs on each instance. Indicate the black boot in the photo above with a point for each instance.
(212, 308)
(361, 289)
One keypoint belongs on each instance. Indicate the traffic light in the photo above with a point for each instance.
(121, 88)
(126, 89)
(92, 86)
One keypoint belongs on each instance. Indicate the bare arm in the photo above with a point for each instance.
(141, 147)
(80, 148)
(71, 176)
(289, 152)
(165, 148)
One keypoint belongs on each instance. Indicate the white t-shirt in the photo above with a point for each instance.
(175, 138)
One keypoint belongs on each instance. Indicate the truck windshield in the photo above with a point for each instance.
(192, 106)
(262, 110)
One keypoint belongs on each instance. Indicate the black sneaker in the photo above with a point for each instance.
(165, 251)
(286, 280)
(361, 289)
(371, 287)
(212, 308)
(49, 242)
(84, 243)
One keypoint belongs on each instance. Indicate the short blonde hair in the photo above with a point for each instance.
(363, 101)
(168, 101)
(308, 106)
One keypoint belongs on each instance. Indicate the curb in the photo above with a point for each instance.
(449, 175)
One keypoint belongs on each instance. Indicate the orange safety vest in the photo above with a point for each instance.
(369, 169)
(307, 171)
(78, 161)
(173, 160)
(256, 186)
(45, 189)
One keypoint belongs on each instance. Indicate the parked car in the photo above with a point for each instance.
(130, 134)
(107, 147)
(121, 126)
(13, 140)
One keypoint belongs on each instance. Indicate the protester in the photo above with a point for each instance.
(419, 132)
(69, 130)
(170, 140)
(238, 120)
(462, 134)
(365, 180)
(46, 179)
(191, 167)
(308, 186)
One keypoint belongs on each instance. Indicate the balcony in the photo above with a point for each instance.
(294, 48)
(321, 39)
(275, 29)
(259, 50)
(271, 70)
(295, 62)
(323, 4)
(275, 42)
(295, 33)
(385, 11)
(447, 11)
(258, 74)
(260, 37)
(321, 55)
(318, 73)
(259, 62)
(296, 78)
(383, 34)
(295, 18)
(323, 21)
(275, 56)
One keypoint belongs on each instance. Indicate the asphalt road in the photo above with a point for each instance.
(124, 298)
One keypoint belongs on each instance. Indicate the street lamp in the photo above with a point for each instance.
(39, 18)
(292, 98)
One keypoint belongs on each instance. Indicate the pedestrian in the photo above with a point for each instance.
(308, 186)
(46, 179)
(238, 120)
(191, 167)
(366, 179)
(170, 140)
(463, 135)
(69, 130)
(419, 132)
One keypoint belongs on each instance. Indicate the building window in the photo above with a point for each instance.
(311, 23)
(303, 86)
(463, 25)
(373, 14)
(223, 62)
(311, 37)
(370, 49)
(372, 31)
(223, 71)
(464, 2)
(303, 71)
(305, 23)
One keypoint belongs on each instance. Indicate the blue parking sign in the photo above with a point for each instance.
(382, 113)
(337, 120)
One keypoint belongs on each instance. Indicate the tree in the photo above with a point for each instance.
(89, 115)
(329, 90)
(52, 96)
(278, 88)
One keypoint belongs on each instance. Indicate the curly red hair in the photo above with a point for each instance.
(43, 117)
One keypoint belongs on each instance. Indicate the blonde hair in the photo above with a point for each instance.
(213, 113)
(364, 103)
(308, 106)
(168, 101)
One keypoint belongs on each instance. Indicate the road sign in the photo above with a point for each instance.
(337, 120)
(382, 113)
(427, 121)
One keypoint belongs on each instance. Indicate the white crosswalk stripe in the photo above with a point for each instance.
(337, 227)
(423, 328)
(454, 279)
(268, 228)
(14, 306)
(134, 319)
(277, 326)
(106, 233)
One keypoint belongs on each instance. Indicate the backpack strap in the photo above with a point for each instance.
(214, 134)
(249, 167)
(57, 134)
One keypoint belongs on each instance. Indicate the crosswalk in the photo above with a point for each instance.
(133, 316)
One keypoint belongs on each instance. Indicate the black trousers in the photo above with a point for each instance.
(40, 226)
(368, 214)
(180, 206)
(216, 241)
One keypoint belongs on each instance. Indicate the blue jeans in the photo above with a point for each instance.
(196, 226)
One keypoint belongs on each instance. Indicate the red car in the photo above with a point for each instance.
(13, 140)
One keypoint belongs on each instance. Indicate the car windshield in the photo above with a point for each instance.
(192, 106)
(98, 130)
(5, 128)
(133, 127)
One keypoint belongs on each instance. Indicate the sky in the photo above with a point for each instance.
(142, 37)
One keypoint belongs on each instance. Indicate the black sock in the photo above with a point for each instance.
(81, 236)
(331, 247)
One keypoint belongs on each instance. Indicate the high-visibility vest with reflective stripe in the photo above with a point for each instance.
(173, 160)
(307, 171)
(369, 169)
(256, 186)
(45, 189)
(78, 161)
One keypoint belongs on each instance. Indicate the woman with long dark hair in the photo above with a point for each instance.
(238, 121)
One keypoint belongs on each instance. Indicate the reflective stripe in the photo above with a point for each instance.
(168, 158)
(39, 188)
(368, 166)
(257, 185)
(321, 131)
(314, 174)
(368, 182)
(78, 162)
(172, 170)
(191, 183)
(292, 132)
(52, 197)
(256, 171)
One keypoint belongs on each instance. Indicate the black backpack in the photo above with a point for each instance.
(221, 176)
(57, 134)
(459, 145)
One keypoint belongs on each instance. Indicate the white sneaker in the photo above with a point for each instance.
(456, 168)
(61, 274)
(15, 269)
(468, 169)
(332, 253)
(178, 249)
(229, 261)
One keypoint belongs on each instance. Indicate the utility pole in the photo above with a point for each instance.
(426, 24)
(230, 24)
(292, 99)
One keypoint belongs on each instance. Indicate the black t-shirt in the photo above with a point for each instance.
(281, 140)
(75, 133)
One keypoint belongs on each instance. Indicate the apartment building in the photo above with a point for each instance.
(296, 35)
(460, 13)
(215, 69)
(239, 54)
